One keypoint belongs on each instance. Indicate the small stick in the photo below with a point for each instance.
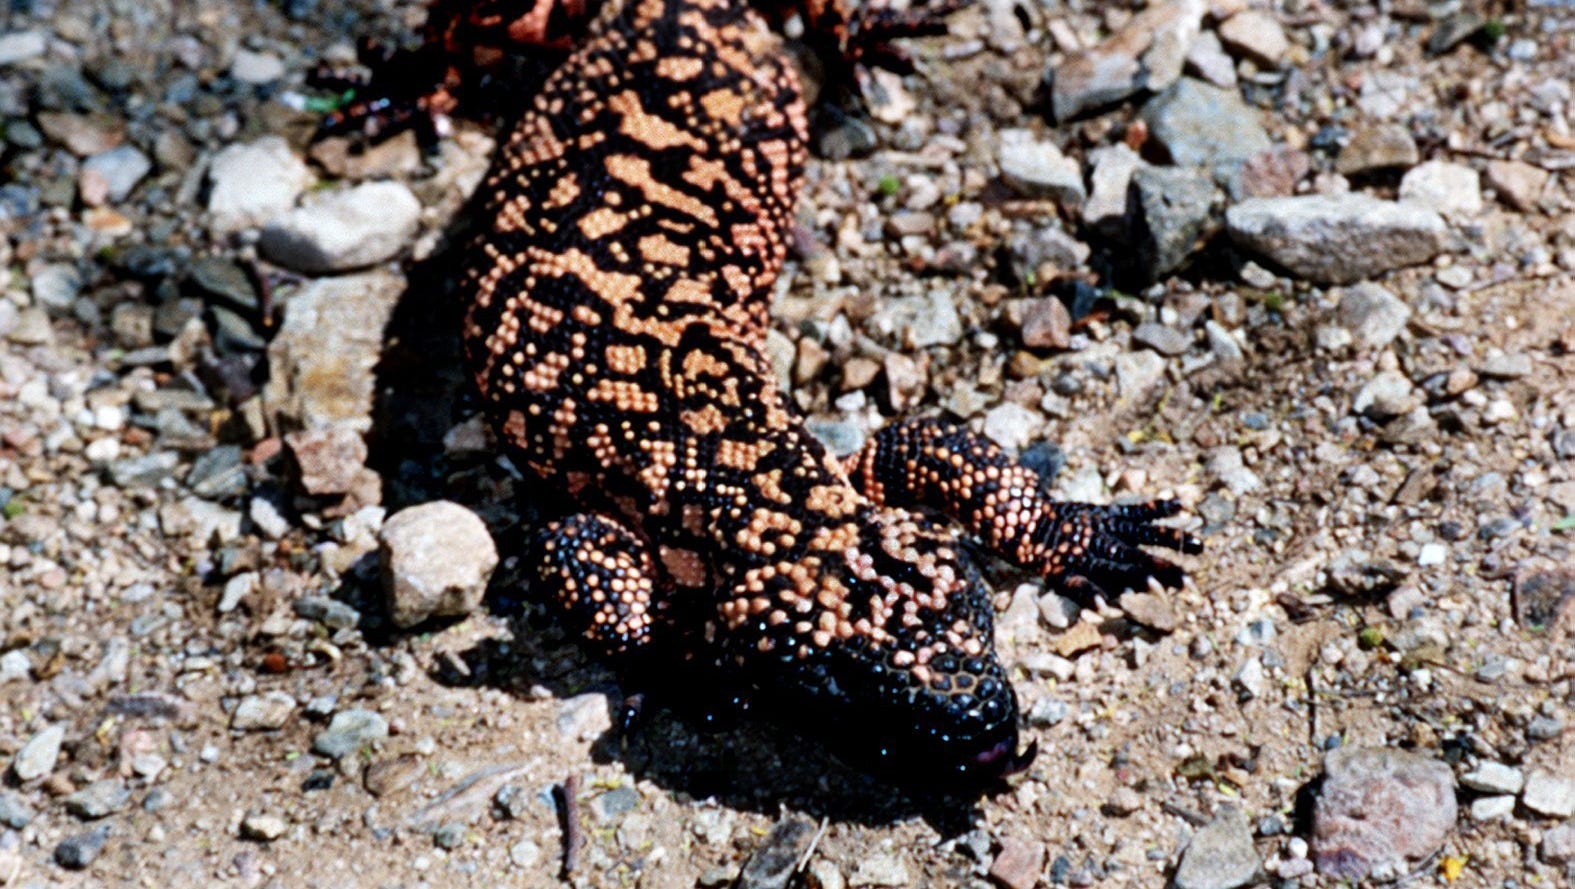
(568, 809)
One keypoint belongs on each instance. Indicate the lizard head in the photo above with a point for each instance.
(882, 646)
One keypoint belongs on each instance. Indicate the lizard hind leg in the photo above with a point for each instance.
(603, 578)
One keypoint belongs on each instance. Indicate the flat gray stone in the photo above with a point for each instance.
(1036, 168)
(1373, 315)
(1453, 190)
(98, 800)
(349, 731)
(1380, 146)
(37, 757)
(1550, 795)
(109, 176)
(1220, 855)
(1494, 777)
(1201, 125)
(1337, 239)
(264, 712)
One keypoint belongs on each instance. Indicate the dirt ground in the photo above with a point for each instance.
(1400, 579)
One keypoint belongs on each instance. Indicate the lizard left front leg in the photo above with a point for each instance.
(944, 467)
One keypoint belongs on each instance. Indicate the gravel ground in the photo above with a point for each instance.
(1308, 267)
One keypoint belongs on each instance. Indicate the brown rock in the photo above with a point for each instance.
(1378, 147)
(329, 459)
(82, 134)
(1519, 184)
(1149, 610)
(859, 372)
(1080, 636)
(1018, 864)
(1047, 324)
(1272, 174)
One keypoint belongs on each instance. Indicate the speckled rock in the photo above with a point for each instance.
(1220, 855)
(1199, 124)
(1380, 811)
(1337, 239)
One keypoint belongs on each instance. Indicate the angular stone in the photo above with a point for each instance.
(1256, 35)
(1453, 190)
(37, 757)
(1220, 855)
(1375, 147)
(1373, 315)
(1146, 54)
(1337, 239)
(251, 183)
(1173, 209)
(1202, 125)
(1517, 183)
(1036, 168)
(1106, 208)
(264, 712)
(349, 731)
(322, 359)
(1550, 795)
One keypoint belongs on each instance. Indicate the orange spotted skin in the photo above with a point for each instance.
(638, 217)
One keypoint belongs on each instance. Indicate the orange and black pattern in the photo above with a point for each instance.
(637, 217)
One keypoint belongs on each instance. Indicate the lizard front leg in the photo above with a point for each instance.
(946, 468)
(603, 577)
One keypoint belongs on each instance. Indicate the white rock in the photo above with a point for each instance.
(252, 183)
(1494, 777)
(20, 46)
(1453, 190)
(1037, 168)
(437, 558)
(1011, 425)
(37, 757)
(256, 67)
(1549, 794)
(1113, 167)
(345, 230)
(1256, 35)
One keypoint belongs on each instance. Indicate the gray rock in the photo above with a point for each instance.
(584, 717)
(1337, 239)
(1036, 168)
(37, 757)
(345, 230)
(1558, 844)
(145, 471)
(222, 278)
(349, 731)
(1112, 167)
(98, 800)
(921, 321)
(1161, 338)
(22, 46)
(1220, 855)
(1173, 209)
(1380, 146)
(1201, 125)
(321, 361)
(256, 67)
(1387, 395)
(841, 437)
(1011, 425)
(78, 851)
(1453, 30)
(15, 813)
(1550, 795)
(1372, 314)
(1506, 366)
(436, 560)
(264, 712)
(251, 183)
(331, 613)
(109, 176)
(879, 869)
(1452, 190)
(55, 287)
(772, 864)
(1208, 60)
(1492, 808)
(1494, 777)
(1146, 54)
(219, 473)
(1415, 795)
(1138, 372)
(31, 328)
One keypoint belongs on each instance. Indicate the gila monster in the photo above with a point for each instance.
(635, 220)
